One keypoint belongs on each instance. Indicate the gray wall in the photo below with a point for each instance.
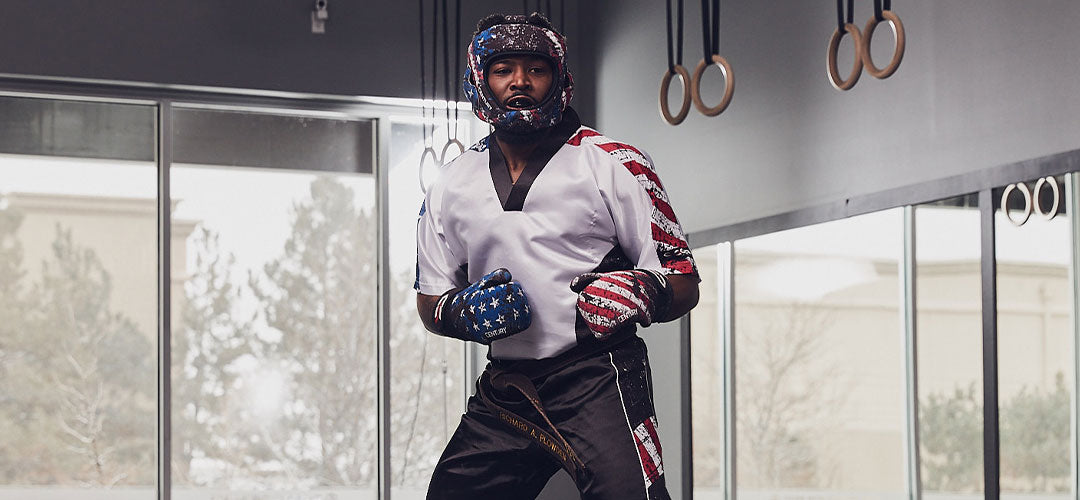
(370, 47)
(983, 83)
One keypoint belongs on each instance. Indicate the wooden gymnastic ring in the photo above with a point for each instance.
(665, 84)
(856, 67)
(435, 159)
(898, 54)
(1027, 202)
(729, 86)
(451, 142)
(1049, 215)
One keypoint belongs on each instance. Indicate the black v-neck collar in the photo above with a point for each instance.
(512, 194)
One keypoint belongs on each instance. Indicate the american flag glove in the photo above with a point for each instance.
(493, 308)
(610, 301)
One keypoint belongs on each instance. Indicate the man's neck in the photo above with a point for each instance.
(517, 153)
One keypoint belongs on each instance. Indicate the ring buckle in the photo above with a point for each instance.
(898, 53)
(729, 86)
(856, 67)
(434, 159)
(665, 85)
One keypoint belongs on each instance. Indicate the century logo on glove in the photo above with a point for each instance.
(611, 301)
(493, 308)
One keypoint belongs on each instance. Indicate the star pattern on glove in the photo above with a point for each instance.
(492, 308)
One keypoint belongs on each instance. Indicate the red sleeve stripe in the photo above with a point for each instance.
(681, 266)
(581, 135)
(639, 169)
(664, 238)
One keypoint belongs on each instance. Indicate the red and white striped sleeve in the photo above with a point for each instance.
(645, 222)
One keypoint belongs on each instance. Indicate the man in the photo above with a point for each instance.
(549, 242)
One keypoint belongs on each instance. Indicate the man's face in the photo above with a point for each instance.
(520, 82)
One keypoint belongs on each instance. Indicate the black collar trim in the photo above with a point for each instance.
(512, 194)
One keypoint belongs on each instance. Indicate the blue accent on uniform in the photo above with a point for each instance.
(416, 282)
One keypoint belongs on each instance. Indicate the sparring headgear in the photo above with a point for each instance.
(517, 35)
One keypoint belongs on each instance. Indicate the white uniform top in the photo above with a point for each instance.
(593, 205)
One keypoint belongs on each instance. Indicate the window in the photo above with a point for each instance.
(274, 341)
(1035, 347)
(949, 316)
(275, 297)
(78, 287)
(428, 371)
(708, 360)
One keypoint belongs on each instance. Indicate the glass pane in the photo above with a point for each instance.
(428, 388)
(707, 375)
(949, 308)
(1035, 346)
(273, 341)
(78, 307)
(819, 360)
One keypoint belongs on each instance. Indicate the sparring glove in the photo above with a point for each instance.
(610, 301)
(493, 308)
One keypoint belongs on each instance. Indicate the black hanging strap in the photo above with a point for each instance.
(674, 58)
(705, 29)
(840, 19)
(446, 62)
(710, 28)
(434, 59)
(457, 62)
(715, 27)
(562, 14)
(423, 76)
(880, 6)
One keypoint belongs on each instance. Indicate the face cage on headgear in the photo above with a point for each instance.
(517, 38)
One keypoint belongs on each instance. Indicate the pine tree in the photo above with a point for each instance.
(13, 424)
(320, 296)
(206, 346)
(89, 377)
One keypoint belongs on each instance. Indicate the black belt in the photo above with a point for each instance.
(519, 375)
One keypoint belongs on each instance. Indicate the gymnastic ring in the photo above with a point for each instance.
(729, 86)
(898, 54)
(1027, 203)
(665, 84)
(435, 159)
(856, 67)
(1035, 197)
(451, 142)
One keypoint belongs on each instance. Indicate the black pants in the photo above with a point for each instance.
(602, 405)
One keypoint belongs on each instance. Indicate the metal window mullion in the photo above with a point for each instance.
(381, 132)
(727, 308)
(1072, 187)
(687, 408)
(164, 209)
(988, 265)
(911, 355)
